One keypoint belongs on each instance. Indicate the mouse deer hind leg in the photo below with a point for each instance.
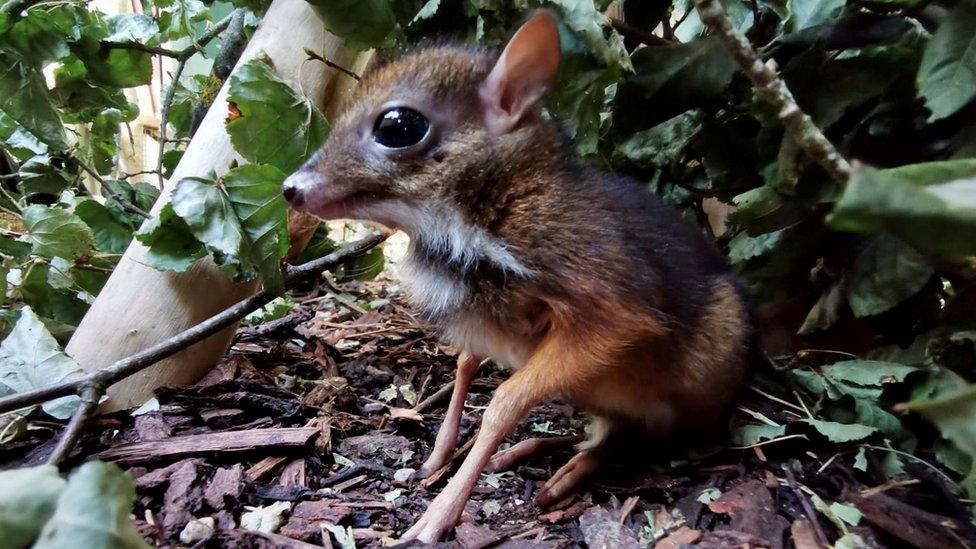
(559, 365)
(446, 442)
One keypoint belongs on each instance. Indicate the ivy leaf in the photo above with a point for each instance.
(93, 511)
(172, 245)
(110, 235)
(930, 205)
(840, 432)
(24, 97)
(28, 497)
(276, 125)
(947, 74)
(31, 358)
(103, 140)
(54, 232)
(362, 23)
(255, 193)
(41, 35)
(673, 79)
(885, 272)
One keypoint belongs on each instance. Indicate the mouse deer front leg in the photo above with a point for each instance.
(444, 445)
(554, 368)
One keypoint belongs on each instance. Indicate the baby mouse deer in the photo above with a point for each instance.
(588, 287)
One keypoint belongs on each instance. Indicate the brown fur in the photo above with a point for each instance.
(591, 288)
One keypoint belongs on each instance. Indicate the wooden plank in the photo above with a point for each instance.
(180, 447)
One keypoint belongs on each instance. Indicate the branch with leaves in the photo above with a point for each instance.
(763, 75)
(92, 386)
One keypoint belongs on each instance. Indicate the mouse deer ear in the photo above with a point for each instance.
(522, 74)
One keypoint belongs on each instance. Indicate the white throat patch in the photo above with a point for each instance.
(443, 231)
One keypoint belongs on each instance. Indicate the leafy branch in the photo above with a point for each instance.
(93, 385)
(763, 75)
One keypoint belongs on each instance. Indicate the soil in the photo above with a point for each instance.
(307, 432)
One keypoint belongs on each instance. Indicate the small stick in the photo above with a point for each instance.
(807, 507)
(72, 432)
(438, 396)
(797, 124)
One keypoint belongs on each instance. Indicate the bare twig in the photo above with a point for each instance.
(179, 55)
(439, 395)
(807, 507)
(638, 35)
(111, 192)
(130, 365)
(72, 432)
(312, 55)
(164, 118)
(797, 124)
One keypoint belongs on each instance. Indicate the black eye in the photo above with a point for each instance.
(400, 127)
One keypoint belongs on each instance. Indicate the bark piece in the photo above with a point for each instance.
(752, 512)
(183, 498)
(681, 536)
(911, 524)
(602, 530)
(470, 536)
(224, 442)
(307, 515)
(227, 482)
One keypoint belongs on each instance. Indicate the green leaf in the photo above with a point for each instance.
(56, 233)
(243, 223)
(103, 140)
(211, 219)
(93, 511)
(885, 272)
(31, 358)
(868, 372)
(954, 415)
(362, 23)
(19, 142)
(179, 18)
(583, 18)
(657, 146)
(947, 74)
(63, 306)
(40, 175)
(276, 126)
(825, 311)
(28, 497)
(172, 245)
(743, 247)
(110, 235)
(131, 27)
(749, 434)
(40, 36)
(673, 79)
(24, 98)
(807, 13)
(930, 205)
(255, 194)
(840, 432)
(847, 513)
(577, 99)
(366, 266)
